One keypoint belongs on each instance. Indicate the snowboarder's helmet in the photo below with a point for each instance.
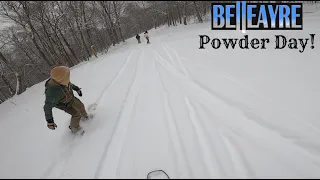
(61, 74)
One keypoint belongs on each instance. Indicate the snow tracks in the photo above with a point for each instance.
(219, 139)
(154, 115)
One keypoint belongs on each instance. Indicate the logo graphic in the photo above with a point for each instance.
(241, 15)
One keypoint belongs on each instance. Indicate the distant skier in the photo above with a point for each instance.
(146, 35)
(93, 50)
(138, 38)
(59, 94)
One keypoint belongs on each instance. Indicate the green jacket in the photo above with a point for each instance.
(58, 96)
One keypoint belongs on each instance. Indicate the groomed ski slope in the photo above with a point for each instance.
(168, 105)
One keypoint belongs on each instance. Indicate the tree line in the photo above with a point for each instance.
(44, 34)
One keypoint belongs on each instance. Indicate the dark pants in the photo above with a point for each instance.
(76, 110)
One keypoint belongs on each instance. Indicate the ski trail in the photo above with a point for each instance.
(177, 57)
(67, 153)
(229, 113)
(174, 130)
(290, 127)
(245, 138)
(268, 147)
(101, 96)
(138, 75)
(205, 141)
(201, 161)
(202, 138)
(166, 116)
(62, 160)
(126, 134)
(289, 131)
(196, 125)
(272, 104)
(168, 53)
(149, 144)
(113, 148)
(192, 85)
(212, 132)
(229, 151)
(241, 164)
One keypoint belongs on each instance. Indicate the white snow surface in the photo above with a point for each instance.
(194, 113)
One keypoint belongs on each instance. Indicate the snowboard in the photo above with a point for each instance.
(157, 174)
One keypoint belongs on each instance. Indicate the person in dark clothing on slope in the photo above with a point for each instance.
(138, 38)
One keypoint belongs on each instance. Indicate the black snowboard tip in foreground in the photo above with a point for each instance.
(157, 174)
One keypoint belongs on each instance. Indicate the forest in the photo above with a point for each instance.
(38, 35)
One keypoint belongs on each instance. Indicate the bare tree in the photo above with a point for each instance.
(197, 12)
(12, 69)
(45, 34)
(185, 13)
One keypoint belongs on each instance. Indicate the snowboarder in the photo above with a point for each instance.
(93, 50)
(146, 35)
(138, 38)
(59, 94)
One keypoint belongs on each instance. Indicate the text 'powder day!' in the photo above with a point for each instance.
(281, 42)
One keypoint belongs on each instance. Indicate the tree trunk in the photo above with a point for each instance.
(154, 22)
(169, 15)
(15, 40)
(68, 45)
(118, 21)
(33, 31)
(108, 17)
(197, 12)
(2, 97)
(16, 74)
(18, 83)
(86, 23)
(185, 13)
(84, 45)
(50, 44)
(55, 41)
(7, 83)
(179, 12)
(62, 47)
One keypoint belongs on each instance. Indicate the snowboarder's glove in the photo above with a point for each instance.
(51, 125)
(79, 92)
